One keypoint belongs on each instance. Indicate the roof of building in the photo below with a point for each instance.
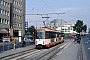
(58, 21)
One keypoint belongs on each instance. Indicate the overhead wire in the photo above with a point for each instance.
(49, 7)
(33, 8)
(36, 8)
(29, 8)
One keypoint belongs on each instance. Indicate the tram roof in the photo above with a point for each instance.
(48, 29)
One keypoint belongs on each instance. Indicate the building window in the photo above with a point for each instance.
(8, 4)
(17, 23)
(8, 13)
(4, 12)
(1, 11)
(7, 21)
(68, 28)
(14, 2)
(19, 17)
(0, 20)
(4, 3)
(1, 2)
(21, 11)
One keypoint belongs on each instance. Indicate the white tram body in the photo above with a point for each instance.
(46, 37)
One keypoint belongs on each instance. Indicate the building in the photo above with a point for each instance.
(60, 24)
(12, 13)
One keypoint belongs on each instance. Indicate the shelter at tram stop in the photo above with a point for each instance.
(3, 32)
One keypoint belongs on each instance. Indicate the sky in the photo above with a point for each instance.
(74, 10)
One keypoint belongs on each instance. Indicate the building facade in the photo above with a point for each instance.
(12, 13)
(60, 24)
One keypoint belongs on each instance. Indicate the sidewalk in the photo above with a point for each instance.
(8, 45)
(12, 51)
(69, 53)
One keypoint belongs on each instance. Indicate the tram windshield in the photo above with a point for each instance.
(40, 34)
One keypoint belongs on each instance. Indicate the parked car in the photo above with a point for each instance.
(72, 36)
(28, 39)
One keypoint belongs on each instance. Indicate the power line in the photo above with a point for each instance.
(34, 8)
(51, 8)
(29, 9)
(48, 6)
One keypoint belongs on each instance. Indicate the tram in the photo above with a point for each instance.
(46, 37)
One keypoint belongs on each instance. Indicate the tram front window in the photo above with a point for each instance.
(40, 34)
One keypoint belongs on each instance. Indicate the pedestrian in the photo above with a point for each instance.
(33, 41)
(79, 40)
(75, 39)
(23, 43)
(14, 42)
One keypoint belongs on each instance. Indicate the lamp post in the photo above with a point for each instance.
(11, 20)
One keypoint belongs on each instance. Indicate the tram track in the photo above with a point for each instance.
(20, 54)
(46, 53)
(35, 54)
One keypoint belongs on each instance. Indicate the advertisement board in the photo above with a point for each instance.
(6, 38)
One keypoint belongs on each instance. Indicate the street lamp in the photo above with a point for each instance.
(11, 20)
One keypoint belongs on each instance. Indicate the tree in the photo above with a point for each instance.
(31, 29)
(79, 26)
(84, 28)
(89, 30)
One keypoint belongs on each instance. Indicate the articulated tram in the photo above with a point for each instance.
(46, 37)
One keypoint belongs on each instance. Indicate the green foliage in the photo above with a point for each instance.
(89, 30)
(85, 27)
(31, 29)
(79, 26)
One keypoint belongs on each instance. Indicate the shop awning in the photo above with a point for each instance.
(3, 31)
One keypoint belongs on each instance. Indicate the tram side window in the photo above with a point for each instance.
(47, 35)
(52, 35)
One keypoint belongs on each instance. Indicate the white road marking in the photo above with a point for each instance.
(86, 42)
(88, 48)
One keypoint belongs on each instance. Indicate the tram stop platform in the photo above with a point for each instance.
(17, 50)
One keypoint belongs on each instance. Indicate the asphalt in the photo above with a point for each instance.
(69, 53)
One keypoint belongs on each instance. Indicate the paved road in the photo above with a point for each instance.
(69, 53)
(86, 47)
